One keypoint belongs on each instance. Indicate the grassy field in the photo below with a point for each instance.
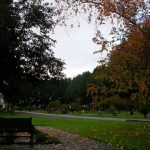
(121, 114)
(131, 135)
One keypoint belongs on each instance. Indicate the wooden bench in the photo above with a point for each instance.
(15, 125)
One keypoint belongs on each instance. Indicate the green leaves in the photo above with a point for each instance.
(25, 45)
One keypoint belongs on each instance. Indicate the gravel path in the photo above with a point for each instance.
(68, 141)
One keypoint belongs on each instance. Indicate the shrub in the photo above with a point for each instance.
(117, 102)
(54, 106)
(64, 108)
(104, 105)
(144, 108)
(74, 107)
(113, 110)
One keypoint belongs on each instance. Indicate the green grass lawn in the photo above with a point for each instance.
(130, 135)
(125, 114)
(121, 114)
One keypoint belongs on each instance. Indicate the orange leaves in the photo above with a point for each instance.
(142, 87)
(129, 65)
(125, 17)
(108, 7)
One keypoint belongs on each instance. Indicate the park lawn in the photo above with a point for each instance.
(126, 115)
(121, 114)
(131, 135)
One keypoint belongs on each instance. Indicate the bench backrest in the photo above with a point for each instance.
(15, 122)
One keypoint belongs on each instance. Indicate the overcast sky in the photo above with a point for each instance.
(75, 47)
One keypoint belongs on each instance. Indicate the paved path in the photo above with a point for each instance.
(80, 117)
(68, 116)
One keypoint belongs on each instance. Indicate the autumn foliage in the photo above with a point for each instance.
(126, 72)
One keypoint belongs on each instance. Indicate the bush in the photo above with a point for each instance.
(113, 110)
(54, 106)
(64, 108)
(116, 101)
(104, 105)
(74, 107)
(144, 108)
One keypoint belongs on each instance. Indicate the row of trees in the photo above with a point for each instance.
(65, 91)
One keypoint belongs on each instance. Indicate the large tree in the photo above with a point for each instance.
(127, 69)
(129, 64)
(25, 44)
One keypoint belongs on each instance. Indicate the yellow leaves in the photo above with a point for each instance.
(92, 89)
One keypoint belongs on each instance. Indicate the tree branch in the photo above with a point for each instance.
(113, 11)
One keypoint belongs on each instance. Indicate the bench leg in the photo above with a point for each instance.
(31, 140)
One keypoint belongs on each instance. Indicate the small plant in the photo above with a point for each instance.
(54, 106)
(44, 138)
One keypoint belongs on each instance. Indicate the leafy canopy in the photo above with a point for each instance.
(25, 43)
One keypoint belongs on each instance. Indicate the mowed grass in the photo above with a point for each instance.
(122, 114)
(130, 135)
(125, 114)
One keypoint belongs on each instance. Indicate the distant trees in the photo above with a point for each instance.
(76, 90)
(26, 46)
(29, 96)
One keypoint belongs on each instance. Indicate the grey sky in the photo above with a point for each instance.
(76, 48)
